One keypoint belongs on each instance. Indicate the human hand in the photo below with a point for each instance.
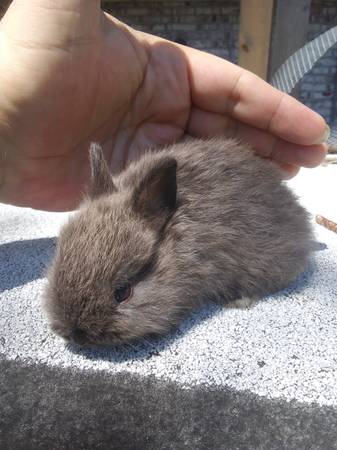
(71, 74)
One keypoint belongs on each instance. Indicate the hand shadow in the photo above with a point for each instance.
(24, 261)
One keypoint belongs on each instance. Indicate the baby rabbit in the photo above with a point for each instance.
(203, 220)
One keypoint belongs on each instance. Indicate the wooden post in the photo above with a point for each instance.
(255, 34)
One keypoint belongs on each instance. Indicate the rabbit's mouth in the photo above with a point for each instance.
(74, 335)
(78, 336)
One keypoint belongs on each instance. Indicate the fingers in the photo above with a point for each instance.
(269, 146)
(265, 144)
(259, 104)
(221, 87)
(288, 170)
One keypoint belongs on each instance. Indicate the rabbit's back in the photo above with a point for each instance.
(242, 221)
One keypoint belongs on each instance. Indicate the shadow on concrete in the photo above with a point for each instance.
(53, 408)
(24, 261)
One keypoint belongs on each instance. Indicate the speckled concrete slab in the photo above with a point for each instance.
(283, 348)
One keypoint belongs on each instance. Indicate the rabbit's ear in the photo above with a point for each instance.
(101, 181)
(155, 197)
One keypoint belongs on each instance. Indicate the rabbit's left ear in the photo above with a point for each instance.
(155, 197)
(101, 181)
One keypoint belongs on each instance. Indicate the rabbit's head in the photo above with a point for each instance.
(103, 287)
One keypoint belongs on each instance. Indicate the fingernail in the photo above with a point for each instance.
(325, 136)
(327, 133)
(326, 147)
(288, 170)
(314, 156)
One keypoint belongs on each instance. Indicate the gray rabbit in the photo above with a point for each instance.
(200, 221)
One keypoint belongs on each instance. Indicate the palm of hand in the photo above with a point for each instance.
(88, 89)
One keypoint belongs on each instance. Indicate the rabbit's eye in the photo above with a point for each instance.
(123, 293)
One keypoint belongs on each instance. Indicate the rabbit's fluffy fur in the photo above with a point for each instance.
(204, 220)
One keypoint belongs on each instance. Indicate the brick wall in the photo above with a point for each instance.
(213, 26)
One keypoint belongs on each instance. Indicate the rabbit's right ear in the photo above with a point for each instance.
(101, 181)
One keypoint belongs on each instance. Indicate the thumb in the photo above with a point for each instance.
(54, 23)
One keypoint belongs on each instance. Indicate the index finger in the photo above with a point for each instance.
(222, 87)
